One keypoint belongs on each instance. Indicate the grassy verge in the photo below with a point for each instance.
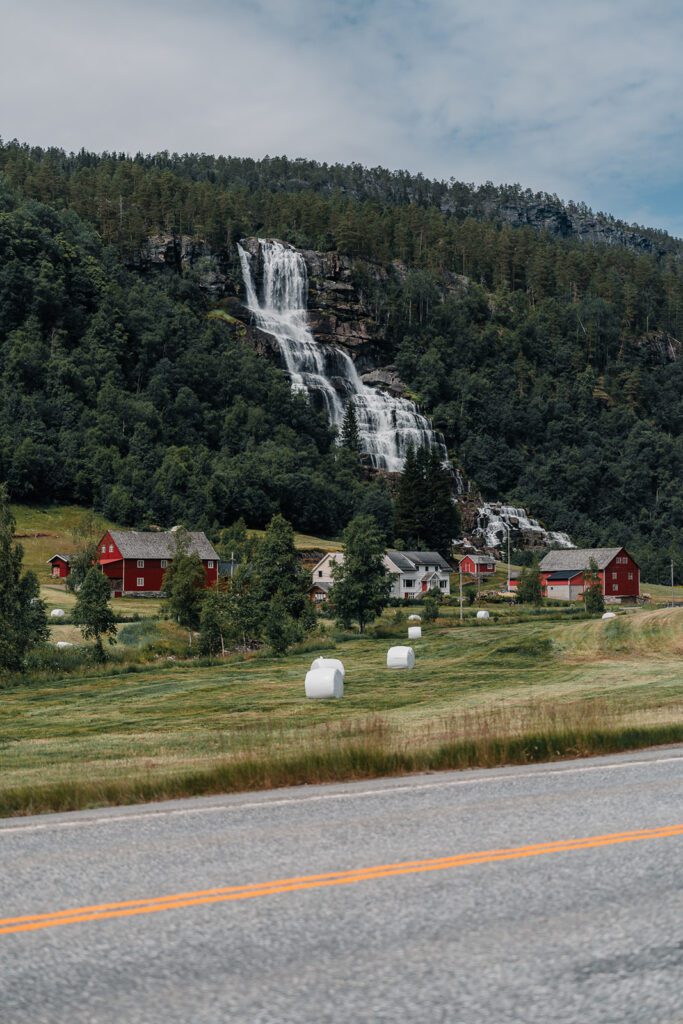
(344, 762)
(484, 694)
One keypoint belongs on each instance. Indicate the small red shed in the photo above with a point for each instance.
(478, 565)
(60, 566)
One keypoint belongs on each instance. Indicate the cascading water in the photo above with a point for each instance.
(387, 425)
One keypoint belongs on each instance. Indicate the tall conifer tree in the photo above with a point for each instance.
(23, 622)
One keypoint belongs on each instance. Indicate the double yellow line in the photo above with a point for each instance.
(233, 893)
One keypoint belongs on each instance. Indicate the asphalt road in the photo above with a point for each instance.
(309, 920)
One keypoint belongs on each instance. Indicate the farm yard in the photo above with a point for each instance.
(522, 686)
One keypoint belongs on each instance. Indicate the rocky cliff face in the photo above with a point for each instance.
(569, 222)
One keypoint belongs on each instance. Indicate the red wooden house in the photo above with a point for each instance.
(477, 565)
(60, 566)
(563, 573)
(135, 562)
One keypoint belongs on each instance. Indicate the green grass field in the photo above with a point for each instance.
(521, 688)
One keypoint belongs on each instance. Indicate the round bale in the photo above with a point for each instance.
(57, 613)
(324, 684)
(329, 663)
(400, 657)
(414, 632)
(62, 644)
(414, 618)
(483, 614)
(610, 615)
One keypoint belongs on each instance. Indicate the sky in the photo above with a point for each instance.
(582, 98)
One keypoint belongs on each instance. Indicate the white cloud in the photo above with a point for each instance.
(582, 99)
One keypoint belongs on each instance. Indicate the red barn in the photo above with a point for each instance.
(562, 573)
(60, 567)
(135, 562)
(478, 565)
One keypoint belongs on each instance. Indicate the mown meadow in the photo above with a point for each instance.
(523, 686)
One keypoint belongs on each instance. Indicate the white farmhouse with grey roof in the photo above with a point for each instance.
(414, 573)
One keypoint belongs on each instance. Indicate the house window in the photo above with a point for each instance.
(630, 575)
(320, 573)
(141, 581)
(111, 549)
(55, 570)
(164, 563)
(615, 586)
(614, 575)
(410, 583)
(141, 563)
(210, 565)
(104, 549)
(443, 584)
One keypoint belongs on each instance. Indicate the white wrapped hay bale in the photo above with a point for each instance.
(63, 644)
(57, 613)
(329, 663)
(324, 684)
(400, 657)
(483, 614)
(414, 618)
(610, 615)
(414, 632)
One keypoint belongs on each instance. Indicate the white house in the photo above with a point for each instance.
(414, 572)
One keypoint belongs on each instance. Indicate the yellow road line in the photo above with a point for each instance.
(254, 890)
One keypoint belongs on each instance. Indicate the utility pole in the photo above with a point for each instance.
(507, 527)
(460, 578)
(672, 582)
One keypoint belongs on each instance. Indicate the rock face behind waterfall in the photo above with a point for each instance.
(277, 297)
(336, 314)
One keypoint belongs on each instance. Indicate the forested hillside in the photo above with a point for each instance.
(548, 352)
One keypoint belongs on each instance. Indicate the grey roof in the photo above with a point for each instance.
(148, 544)
(563, 574)
(409, 561)
(65, 558)
(577, 558)
(482, 559)
(321, 585)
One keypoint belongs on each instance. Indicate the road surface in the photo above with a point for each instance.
(551, 893)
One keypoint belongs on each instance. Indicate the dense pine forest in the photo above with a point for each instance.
(543, 340)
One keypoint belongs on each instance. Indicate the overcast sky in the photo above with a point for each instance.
(579, 97)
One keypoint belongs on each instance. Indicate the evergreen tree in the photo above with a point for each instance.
(23, 622)
(361, 582)
(529, 588)
(426, 515)
(593, 597)
(349, 436)
(93, 613)
(440, 519)
(407, 518)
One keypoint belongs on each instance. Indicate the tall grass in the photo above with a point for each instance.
(369, 748)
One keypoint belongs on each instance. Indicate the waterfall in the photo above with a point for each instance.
(494, 519)
(326, 373)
